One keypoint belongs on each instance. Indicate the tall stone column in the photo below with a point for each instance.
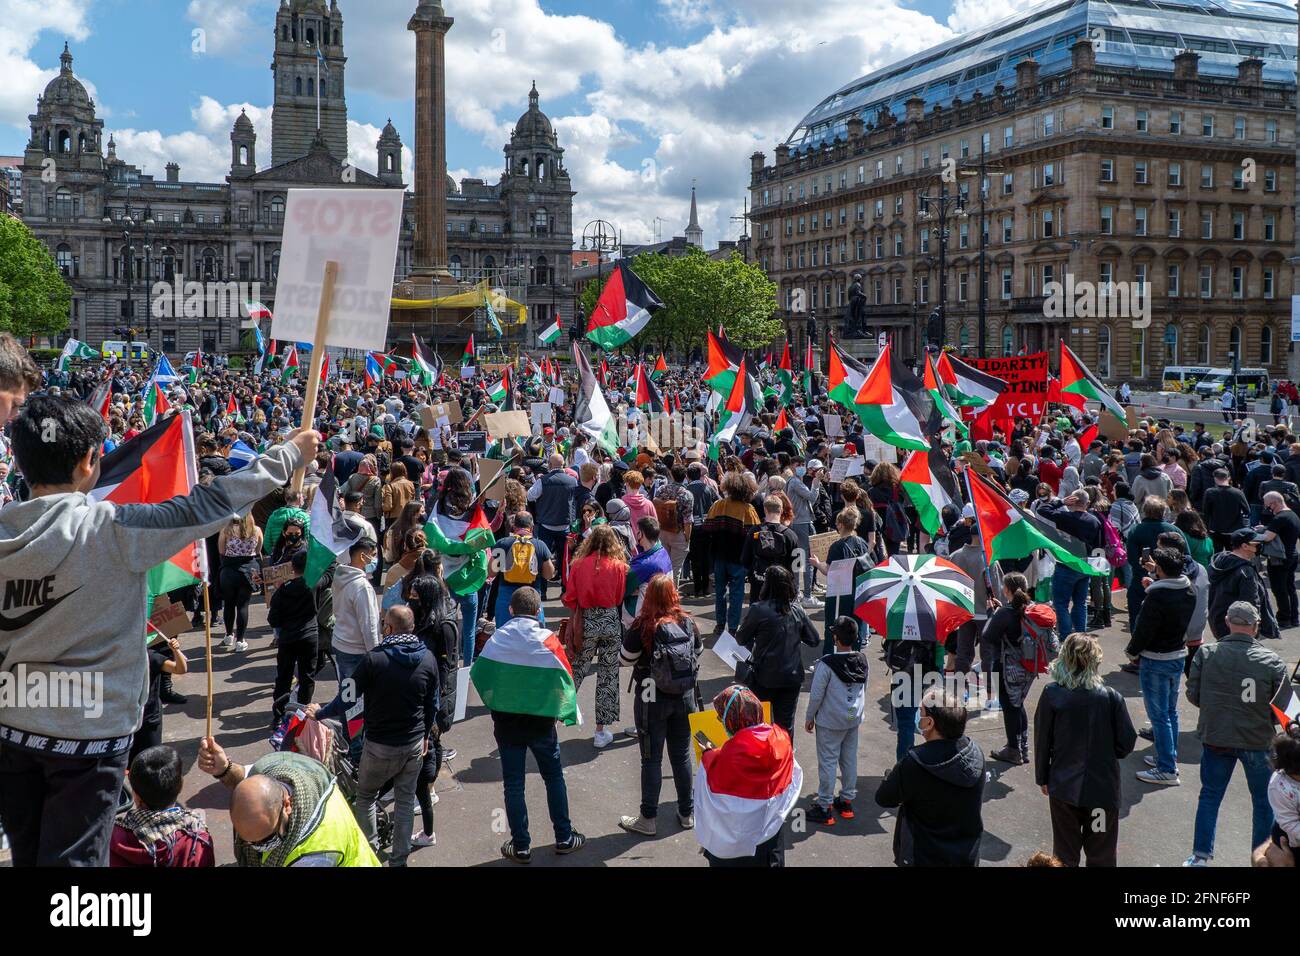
(430, 25)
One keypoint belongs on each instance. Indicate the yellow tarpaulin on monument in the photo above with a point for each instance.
(471, 300)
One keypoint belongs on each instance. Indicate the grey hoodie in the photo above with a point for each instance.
(356, 611)
(74, 572)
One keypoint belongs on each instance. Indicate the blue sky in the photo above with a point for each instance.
(647, 96)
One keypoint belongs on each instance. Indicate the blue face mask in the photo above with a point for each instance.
(372, 566)
(800, 471)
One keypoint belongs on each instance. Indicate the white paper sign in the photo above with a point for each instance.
(839, 579)
(358, 229)
(556, 396)
(462, 694)
(729, 651)
(834, 426)
(541, 414)
(842, 468)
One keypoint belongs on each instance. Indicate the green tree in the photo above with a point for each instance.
(34, 298)
(699, 294)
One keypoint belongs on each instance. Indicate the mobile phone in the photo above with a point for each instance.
(702, 739)
(1146, 553)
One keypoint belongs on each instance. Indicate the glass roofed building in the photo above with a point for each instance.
(1130, 142)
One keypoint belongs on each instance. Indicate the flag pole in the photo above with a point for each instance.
(317, 358)
(207, 645)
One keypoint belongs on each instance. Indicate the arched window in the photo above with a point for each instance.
(1234, 343)
(389, 164)
(81, 142)
(297, 85)
(1103, 351)
(243, 155)
(541, 272)
(65, 141)
(1203, 345)
(455, 266)
(489, 267)
(1266, 346)
(209, 259)
(311, 36)
(311, 86)
(47, 141)
(963, 339)
(523, 166)
(338, 37)
(541, 167)
(1172, 333)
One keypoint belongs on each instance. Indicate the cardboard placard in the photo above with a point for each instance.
(170, 619)
(819, 545)
(491, 478)
(1111, 427)
(976, 463)
(274, 577)
(508, 425)
(443, 413)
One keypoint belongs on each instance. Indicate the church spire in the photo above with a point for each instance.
(694, 233)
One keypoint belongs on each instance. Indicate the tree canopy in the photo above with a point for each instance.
(34, 298)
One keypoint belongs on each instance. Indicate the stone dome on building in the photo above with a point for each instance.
(66, 88)
(242, 122)
(534, 125)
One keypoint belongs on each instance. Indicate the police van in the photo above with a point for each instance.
(1252, 382)
(1182, 378)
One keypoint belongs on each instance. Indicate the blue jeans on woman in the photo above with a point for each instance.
(728, 594)
(1068, 585)
(1159, 682)
(468, 625)
(514, 767)
(1216, 772)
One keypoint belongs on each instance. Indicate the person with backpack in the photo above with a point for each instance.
(1082, 731)
(596, 587)
(663, 647)
(836, 705)
(1005, 635)
(1158, 643)
(887, 499)
(773, 628)
(770, 545)
(729, 524)
(520, 560)
(675, 508)
(157, 830)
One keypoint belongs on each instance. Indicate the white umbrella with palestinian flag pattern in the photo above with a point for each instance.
(915, 597)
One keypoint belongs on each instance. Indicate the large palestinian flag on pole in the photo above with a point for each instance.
(809, 371)
(931, 485)
(551, 333)
(967, 387)
(519, 674)
(785, 374)
(624, 309)
(724, 360)
(889, 404)
(845, 378)
(939, 395)
(647, 395)
(1078, 385)
(467, 357)
(155, 466)
(744, 790)
(330, 535)
(499, 392)
(426, 366)
(736, 410)
(1009, 532)
(155, 402)
(591, 413)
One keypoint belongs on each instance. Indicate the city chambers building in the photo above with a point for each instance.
(116, 231)
(1122, 142)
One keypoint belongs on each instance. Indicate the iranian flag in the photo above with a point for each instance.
(1286, 705)
(624, 309)
(647, 396)
(551, 333)
(155, 402)
(76, 350)
(523, 669)
(660, 369)
(934, 387)
(591, 412)
(290, 364)
(467, 357)
(1078, 385)
(426, 366)
(744, 790)
(889, 404)
(967, 387)
(330, 535)
(257, 311)
(785, 373)
(931, 485)
(155, 466)
(1010, 532)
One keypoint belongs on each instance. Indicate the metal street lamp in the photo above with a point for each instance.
(981, 169)
(941, 208)
(601, 237)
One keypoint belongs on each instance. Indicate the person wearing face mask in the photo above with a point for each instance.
(293, 538)
(802, 487)
(287, 810)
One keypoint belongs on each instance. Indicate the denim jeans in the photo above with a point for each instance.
(1159, 681)
(1069, 586)
(501, 613)
(663, 721)
(728, 594)
(803, 532)
(468, 625)
(381, 763)
(1216, 772)
(514, 765)
(905, 718)
(347, 664)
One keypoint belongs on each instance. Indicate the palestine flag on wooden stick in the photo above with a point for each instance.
(931, 485)
(1078, 385)
(591, 412)
(934, 386)
(426, 366)
(624, 309)
(1010, 532)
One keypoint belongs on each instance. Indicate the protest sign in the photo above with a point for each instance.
(1026, 378)
(728, 651)
(834, 426)
(491, 478)
(1111, 427)
(507, 425)
(169, 618)
(844, 467)
(444, 413)
(556, 396)
(274, 577)
(471, 443)
(541, 413)
(819, 545)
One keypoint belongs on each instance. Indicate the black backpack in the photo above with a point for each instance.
(673, 664)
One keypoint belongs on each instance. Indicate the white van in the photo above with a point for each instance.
(1253, 382)
(125, 351)
(1182, 378)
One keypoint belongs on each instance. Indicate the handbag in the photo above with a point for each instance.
(570, 635)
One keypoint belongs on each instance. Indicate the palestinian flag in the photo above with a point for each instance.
(501, 390)
(647, 396)
(271, 355)
(551, 334)
(933, 386)
(625, 307)
(155, 402)
(523, 669)
(426, 367)
(196, 366)
(77, 350)
(846, 377)
(232, 410)
(738, 408)
(591, 412)
(931, 485)
(330, 536)
(724, 360)
(290, 364)
(1088, 436)
(604, 372)
(660, 369)
(967, 387)
(889, 404)
(1079, 385)
(102, 398)
(809, 370)
(781, 421)
(744, 790)
(785, 374)
(463, 544)
(155, 466)
(325, 369)
(1286, 705)
(1010, 532)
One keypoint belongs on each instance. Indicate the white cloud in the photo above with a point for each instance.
(203, 152)
(227, 25)
(23, 23)
(363, 149)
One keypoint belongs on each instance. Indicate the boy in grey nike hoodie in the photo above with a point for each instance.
(73, 587)
(836, 705)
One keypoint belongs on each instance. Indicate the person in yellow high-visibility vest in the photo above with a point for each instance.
(287, 810)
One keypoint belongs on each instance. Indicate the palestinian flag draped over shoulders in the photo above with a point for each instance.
(744, 790)
(156, 465)
(625, 307)
(523, 669)
(591, 413)
(1078, 385)
(463, 543)
(931, 486)
(1010, 532)
(330, 536)
(647, 395)
(967, 387)
(889, 404)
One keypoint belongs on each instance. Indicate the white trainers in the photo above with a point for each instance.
(811, 603)
(1195, 860)
(602, 739)
(1159, 777)
(229, 643)
(423, 839)
(241, 646)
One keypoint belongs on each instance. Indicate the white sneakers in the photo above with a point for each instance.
(602, 739)
(639, 824)
(810, 603)
(229, 643)
(241, 646)
(1195, 860)
(423, 839)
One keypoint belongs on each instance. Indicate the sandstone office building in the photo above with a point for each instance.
(1125, 142)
